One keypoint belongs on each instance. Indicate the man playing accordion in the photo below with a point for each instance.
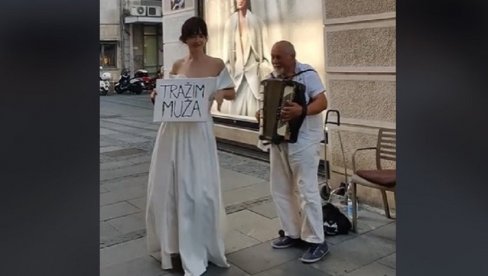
(294, 164)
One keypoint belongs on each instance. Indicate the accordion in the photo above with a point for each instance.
(276, 92)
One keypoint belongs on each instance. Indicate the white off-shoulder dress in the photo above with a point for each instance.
(184, 204)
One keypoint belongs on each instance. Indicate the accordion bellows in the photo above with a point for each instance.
(275, 94)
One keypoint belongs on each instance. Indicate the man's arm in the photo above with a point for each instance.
(227, 93)
(292, 110)
(317, 104)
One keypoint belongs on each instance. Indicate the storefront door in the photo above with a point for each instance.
(150, 49)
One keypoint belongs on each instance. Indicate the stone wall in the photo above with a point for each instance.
(360, 47)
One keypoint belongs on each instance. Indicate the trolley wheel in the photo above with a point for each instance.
(325, 192)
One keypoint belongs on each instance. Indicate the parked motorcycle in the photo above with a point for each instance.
(126, 83)
(103, 88)
(104, 83)
(149, 82)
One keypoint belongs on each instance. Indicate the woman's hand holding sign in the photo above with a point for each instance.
(224, 94)
(219, 98)
(153, 95)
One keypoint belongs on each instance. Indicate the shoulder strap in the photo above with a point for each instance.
(299, 73)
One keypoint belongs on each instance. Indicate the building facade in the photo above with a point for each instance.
(110, 36)
(130, 36)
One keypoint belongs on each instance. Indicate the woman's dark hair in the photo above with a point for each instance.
(193, 26)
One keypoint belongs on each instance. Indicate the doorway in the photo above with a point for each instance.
(151, 49)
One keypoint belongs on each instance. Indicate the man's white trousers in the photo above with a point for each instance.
(295, 191)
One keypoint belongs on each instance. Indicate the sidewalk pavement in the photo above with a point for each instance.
(126, 139)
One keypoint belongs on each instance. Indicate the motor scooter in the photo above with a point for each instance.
(126, 83)
(104, 83)
(149, 82)
(103, 88)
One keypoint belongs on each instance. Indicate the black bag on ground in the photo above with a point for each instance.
(335, 222)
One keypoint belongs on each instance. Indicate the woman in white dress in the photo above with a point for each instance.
(184, 203)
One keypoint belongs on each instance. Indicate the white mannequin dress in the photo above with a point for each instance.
(184, 211)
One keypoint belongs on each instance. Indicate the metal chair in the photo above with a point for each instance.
(382, 179)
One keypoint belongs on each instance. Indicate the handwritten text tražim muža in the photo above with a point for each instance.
(181, 100)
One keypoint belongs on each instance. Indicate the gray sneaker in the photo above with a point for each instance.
(315, 252)
(284, 241)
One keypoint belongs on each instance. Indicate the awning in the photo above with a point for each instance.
(143, 19)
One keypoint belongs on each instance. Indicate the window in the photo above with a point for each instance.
(108, 54)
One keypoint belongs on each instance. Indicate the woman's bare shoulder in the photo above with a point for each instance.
(218, 64)
(176, 66)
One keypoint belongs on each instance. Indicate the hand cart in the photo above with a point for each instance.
(325, 190)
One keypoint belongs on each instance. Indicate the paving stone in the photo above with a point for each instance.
(355, 253)
(122, 152)
(129, 138)
(139, 203)
(389, 261)
(125, 182)
(108, 149)
(293, 268)
(246, 193)
(132, 192)
(122, 172)
(144, 266)
(147, 146)
(105, 159)
(231, 180)
(121, 129)
(172, 272)
(334, 240)
(213, 270)
(368, 221)
(236, 207)
(387, 231)
(250, 167)
(235, 240)
(133, 160)
(117, 210)
(104, 143)
(152, 133)
(130, 223)
(267, 209)
(115, 164)
(148, 125)
(104, 115)
(107, 231)
(263, 257)
(226, 159)
(254, 225)
(374, 269)
(122, 253)
(144, 152)
(112, 141)
(122, 238)
(104, 131)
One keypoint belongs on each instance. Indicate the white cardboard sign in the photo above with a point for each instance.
(183, 99)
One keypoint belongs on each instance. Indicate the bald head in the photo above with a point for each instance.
(283, 57)
(285, 47)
